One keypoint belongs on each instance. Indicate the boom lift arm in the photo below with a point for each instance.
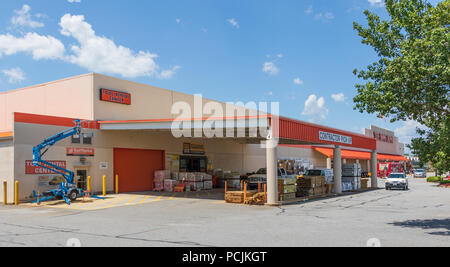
(67, 190)
(40, 150)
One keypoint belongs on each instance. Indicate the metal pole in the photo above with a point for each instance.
(104, 185)
(16, 193)
(5, 193)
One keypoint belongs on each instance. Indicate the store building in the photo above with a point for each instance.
(127, 131)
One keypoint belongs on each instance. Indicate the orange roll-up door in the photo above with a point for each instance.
(136, 168)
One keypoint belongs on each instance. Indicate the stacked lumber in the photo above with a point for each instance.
(309, 186)
(257, 199)
(238, 197)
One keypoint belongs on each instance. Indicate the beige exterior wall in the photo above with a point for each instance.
(71, 97)
(7, 168)
(147, 102)
(395, 148)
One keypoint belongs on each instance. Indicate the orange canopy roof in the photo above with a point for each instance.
(361, 155)
(7, 134)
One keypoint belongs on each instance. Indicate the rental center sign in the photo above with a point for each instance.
(337, 138)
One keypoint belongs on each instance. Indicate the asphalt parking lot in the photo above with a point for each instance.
(418, 217)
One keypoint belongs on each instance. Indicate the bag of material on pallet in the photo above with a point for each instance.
(158, 186)
(162, 175)
(287, 197)
(183, 176)
(169, 185)
(207, 177)
(176, 176)
(234, 183)
(207, 185)
(287, 181)
(347, 186)
(197, 186)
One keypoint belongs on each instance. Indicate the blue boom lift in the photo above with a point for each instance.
(67, 189)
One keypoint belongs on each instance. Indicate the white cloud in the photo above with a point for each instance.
(39, 46)
(234, 23)
(309, 10)
(167, 74)
(178, 20)
(23, 18)
(100, 54)
(270, 68)
(338, 97)
(407, 131)
(327, 16)
(14, 75)
(74, 1)
(315, 109)
(298, 81)
(376, 3)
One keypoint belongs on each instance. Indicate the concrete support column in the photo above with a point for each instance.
(329, 164)
(272, 173)
(337, 170)
(374, 169)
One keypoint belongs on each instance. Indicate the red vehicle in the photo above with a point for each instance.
(385, 169)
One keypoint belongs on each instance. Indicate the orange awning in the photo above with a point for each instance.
(361, 155)
(5, 135)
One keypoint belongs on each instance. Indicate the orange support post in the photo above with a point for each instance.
(245, 192)
(259, 187)
(265, 193)
(226, 186)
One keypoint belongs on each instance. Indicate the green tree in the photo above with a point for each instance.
(410, 81)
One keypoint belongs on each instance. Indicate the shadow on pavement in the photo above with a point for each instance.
(428, 225)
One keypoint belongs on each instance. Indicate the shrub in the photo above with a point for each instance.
(434, 179)
(445, 182)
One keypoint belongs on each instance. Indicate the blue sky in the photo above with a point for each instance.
(298, 52)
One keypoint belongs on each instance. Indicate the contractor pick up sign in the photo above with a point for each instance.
(336, 138)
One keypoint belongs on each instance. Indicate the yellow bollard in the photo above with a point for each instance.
(16, 193)
(117, 184)
(5, 193)
(88, 187)
(104, 185)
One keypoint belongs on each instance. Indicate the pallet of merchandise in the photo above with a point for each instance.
(158, 186)
(287, 197)
(311, 181)
(179, 188)
(287, 189)
(162, 175)
(207, 185)
(364, 183)
(237, 197)
(169, 185)
(304, 192)
(287, 181)
(234, 183)
(257, 199)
